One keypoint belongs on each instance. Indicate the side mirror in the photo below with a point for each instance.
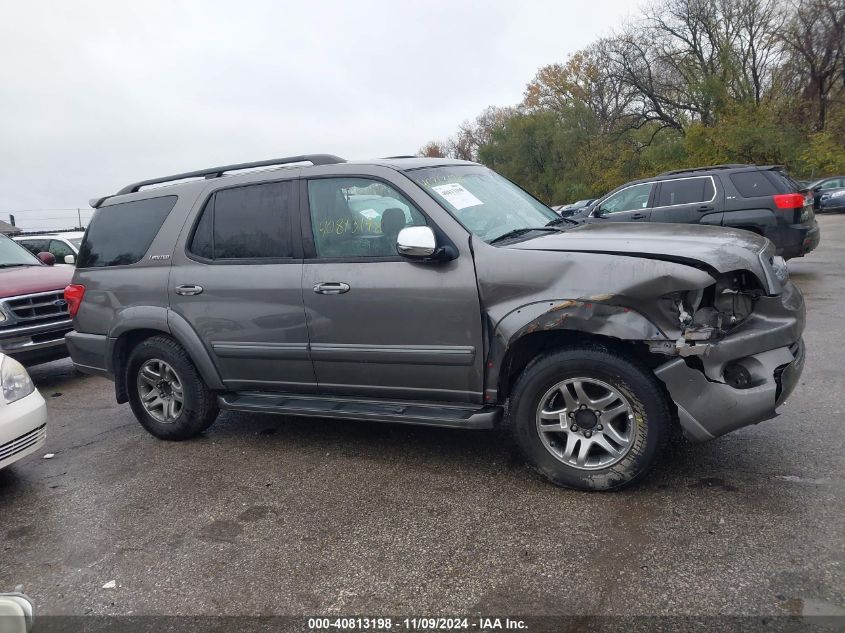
(16, 612)
(46, 258)
(70, 259)
(416, 242)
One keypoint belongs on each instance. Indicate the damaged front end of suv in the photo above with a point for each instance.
(711, 312)
(739, 352)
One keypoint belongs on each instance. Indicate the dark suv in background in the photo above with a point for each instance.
(763, 200)
(435, 292)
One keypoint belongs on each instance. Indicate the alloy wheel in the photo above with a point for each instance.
(586, 423)
(160, 390)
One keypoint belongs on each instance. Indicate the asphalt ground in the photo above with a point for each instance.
(272, 515)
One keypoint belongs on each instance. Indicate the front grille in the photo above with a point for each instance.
(23, 442)
(43, 307)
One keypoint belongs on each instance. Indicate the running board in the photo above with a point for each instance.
(423, 413)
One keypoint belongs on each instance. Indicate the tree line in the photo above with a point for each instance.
(685, 83)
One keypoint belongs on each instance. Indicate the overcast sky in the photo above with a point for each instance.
(94, 95)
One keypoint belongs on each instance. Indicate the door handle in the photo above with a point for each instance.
(331, 288)
(188, 290)
(638, 216)
(705, 208)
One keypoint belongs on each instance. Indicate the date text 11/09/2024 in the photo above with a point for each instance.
(416, 624)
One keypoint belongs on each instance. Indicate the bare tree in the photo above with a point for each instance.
(687, 59)
(814, 39)
(582, 80)
(472, 135)
(758, 43)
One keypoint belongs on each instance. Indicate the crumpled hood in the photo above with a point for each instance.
(25, 280)
(719, 248)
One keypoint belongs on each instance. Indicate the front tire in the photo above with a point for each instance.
(166, 392)
(588, 418)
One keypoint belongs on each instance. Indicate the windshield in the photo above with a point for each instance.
(13, 254)
(76, 241)
(485, 203)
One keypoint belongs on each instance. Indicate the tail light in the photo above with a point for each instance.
(789, 200)
(73, 296)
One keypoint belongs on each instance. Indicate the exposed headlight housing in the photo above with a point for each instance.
(708, 313)
(780, 268)
(14, 380)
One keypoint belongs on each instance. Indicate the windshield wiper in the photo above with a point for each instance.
(522, 231)
(561, 220)
(14, 265)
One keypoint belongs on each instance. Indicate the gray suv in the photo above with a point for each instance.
(435, 292)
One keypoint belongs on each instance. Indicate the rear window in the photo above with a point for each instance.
(685, 191)
(121, 233)
(753, 184)
(783, 181)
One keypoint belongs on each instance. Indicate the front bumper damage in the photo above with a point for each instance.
(767, 345)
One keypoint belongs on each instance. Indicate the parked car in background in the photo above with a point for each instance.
(23, 413)
(33, 313)
(827, 193)
(64, 245)
(265, 292)
(763, 200)
(831, 200)
(573, 209)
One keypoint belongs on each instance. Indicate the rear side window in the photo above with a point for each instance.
(752, 184)
(35, 246)
(121, 233)
(685, 191)
(250, 222)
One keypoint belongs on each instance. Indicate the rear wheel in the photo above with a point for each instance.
(588, 418)
(166, 392)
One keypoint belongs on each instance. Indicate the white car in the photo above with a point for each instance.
(23, 413)
(63, 245)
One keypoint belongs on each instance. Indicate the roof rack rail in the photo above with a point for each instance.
(217, 172)
(25, 233)
(691, 169)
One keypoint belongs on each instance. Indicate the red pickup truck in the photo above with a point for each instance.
(33, 312)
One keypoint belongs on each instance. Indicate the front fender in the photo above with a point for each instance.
(590, 315)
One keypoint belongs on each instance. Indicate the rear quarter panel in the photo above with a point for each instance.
(134, 293)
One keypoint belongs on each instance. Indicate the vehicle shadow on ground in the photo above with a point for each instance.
(484, 454)
(49, 376)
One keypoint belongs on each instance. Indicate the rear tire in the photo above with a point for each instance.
(166, 392)
(588, 418)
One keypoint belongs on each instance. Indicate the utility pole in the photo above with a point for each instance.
(11, 219)
(79, 217)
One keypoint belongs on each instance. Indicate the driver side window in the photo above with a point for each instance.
(358, 217)
(629, 199)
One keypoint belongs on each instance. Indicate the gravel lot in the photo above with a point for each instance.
(274, 515)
